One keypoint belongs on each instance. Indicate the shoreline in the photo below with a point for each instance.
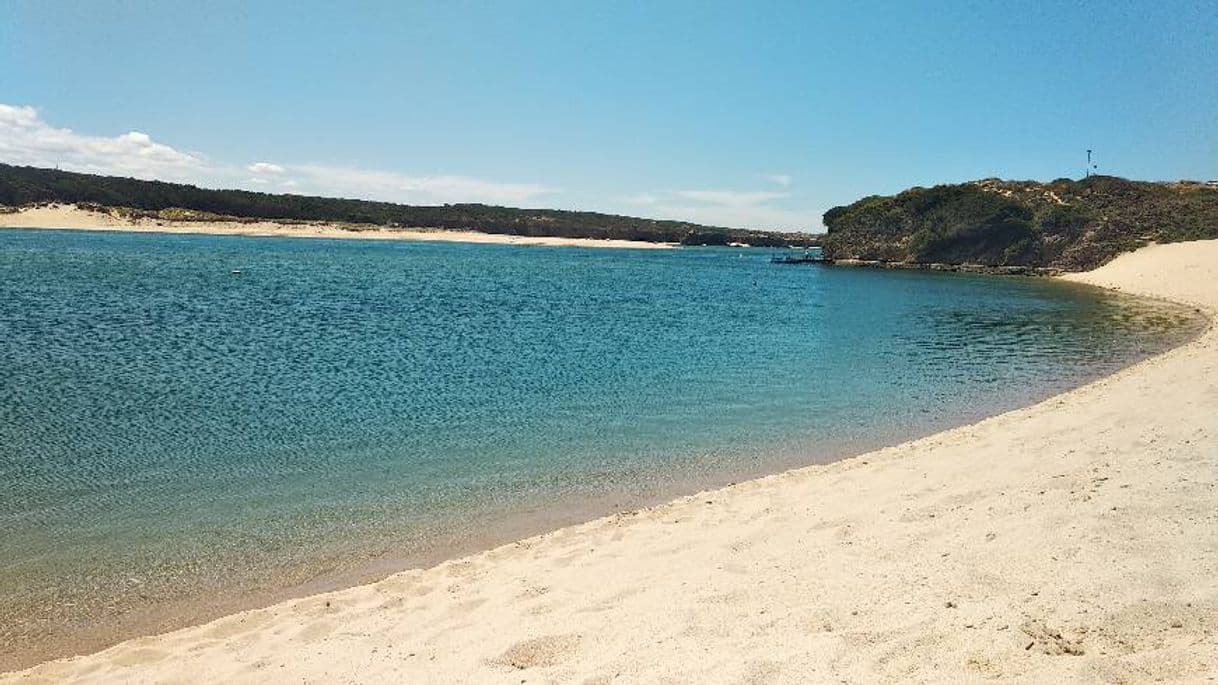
(964, 268)
(73, 218)
(534, 520)
(870, 568)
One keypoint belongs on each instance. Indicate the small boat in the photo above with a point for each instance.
(809, 256)
(235, 272)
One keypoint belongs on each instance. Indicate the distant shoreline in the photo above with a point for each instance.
(72, 217)
(965, 268)
(137, 201)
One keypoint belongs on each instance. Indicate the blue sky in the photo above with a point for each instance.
(759, 114)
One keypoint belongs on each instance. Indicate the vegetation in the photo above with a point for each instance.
(29, 185)
(1067, 225)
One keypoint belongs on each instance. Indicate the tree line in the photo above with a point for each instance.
(32, 185)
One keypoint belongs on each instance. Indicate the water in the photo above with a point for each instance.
(172, 434)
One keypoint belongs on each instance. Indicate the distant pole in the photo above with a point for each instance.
(1088, 163)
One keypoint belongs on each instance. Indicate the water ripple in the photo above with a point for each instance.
(169, 430)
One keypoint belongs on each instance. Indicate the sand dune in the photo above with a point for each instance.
(1075, 540)
(72, 217)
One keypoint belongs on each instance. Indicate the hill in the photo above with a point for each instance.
(21, 186)
(1064, 225)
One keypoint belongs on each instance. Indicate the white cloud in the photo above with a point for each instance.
(265, 168)
(26, 139)
(783, 180)
(389, 186)
(395, 187)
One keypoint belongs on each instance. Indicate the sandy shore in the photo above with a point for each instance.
(72, 217)
(1075, 540)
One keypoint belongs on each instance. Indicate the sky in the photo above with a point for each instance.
(751, 114)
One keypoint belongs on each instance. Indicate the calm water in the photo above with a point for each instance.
(170, 431)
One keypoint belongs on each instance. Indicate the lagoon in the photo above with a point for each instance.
(177, 440)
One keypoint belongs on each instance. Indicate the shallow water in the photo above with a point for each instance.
(171, 432)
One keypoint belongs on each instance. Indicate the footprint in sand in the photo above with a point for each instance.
(316, 631)
(550, 650)
(139, 657)
(233, 627)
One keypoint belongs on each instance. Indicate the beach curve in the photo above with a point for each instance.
(71, 217)
(1071, 540)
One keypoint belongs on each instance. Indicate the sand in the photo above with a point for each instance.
(73, 217)
(1072, 541)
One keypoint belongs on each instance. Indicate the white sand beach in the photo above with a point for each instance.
(1072, 541)
(73, 217)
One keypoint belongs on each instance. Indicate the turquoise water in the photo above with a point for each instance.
(172, 433)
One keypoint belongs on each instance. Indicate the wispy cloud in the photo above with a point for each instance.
(724, 207)
(395, 187)
(641, 199)
(741, 216)
(730, 198)
(26, 139)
